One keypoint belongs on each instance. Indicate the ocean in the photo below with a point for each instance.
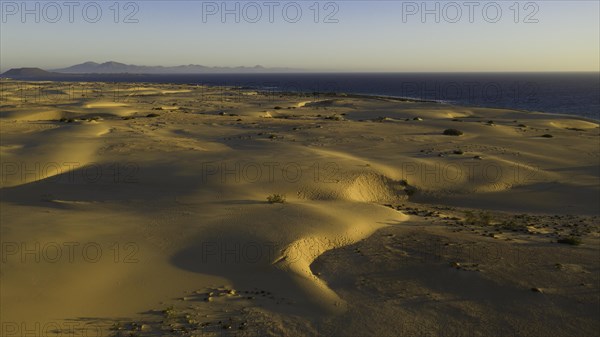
(565, 93)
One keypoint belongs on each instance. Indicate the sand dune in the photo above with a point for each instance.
(573, 124)
(170, 183)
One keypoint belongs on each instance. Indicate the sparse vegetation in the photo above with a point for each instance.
(276, 199)
(453, 132)
(485, 218)
(512, 226)
(470, 218)
(482, 218)
(169, 312)
(335, 118)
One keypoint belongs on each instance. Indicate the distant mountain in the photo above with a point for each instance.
(121, 68)
(27, 73)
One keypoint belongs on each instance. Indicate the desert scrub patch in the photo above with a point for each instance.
(482, 218)
(276, 199)
(485, 218)
(335, 118)
(453, 132)
(512, 226)
(169, 312)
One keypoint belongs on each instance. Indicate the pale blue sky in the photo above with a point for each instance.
(369, 36)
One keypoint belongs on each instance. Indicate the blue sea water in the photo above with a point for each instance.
(566, 93)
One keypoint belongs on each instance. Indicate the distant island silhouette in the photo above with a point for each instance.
(112, 67)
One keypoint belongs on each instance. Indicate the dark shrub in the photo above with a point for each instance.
(276, 199)
(453, 132)
(570, 241)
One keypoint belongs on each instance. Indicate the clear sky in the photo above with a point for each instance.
(358, 35)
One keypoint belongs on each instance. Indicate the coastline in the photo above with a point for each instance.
(560, 93)
(325, 94)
